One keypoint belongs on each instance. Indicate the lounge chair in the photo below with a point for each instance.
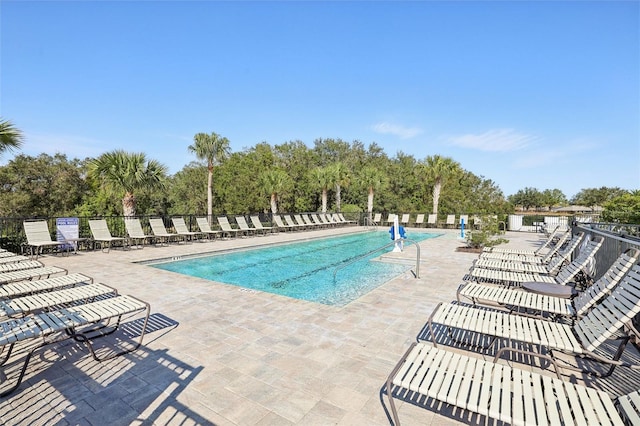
(309, 222)
(26, 304)
(377, 218)
(19, 266)
(160, 233)
(244, 226)
(293, 224)
(19, 288)
(507, 394)
(323, 218)
(226, 227)
(419, 220)
(391, 217)
(279, 224)
(30, 274)
(432, 220)
(604, 321)
(73, 322)
(181, 228)
(405, 219)
(101, 234)
(203, 224)
(551, 267)
(259, 226)
(549, 242)
(566, 243)
(464, 218)
(524, 302)
(316, 219)
(348, 222)
(13, 258)
(564, 274)
(135, 233)
(39, 237)
(451, 221)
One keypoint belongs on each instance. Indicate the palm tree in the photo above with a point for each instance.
(129, 173)
(374, 180)
(10, 136)
(438, 168)
(341, 178)
(213, 149)
(274, 182)
(323, 178)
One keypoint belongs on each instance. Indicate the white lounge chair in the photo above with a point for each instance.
(451, 221)
(259, 226)
(39, 237)
(181, 229)
(406, 217)
(432, 220)
(30, 274)
(244, 226)
(19, 288)
(101, 234)
(203, 224)
(419, 220)
(524, 302)
(280, 224)
(226, 227)
(507, 394)
(76, 322)
(602, 322)
(135, 233)
(160, 233)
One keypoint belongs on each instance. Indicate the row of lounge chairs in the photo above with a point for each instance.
(565, 331)
(39, 236)
(429, 220)
(44, 305)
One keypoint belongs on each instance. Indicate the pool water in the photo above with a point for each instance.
(316, 270)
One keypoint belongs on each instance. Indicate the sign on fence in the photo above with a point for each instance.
(68, 228)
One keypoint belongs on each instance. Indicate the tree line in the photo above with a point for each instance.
(332, 175)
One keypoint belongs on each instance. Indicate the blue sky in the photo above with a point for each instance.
(527, 94)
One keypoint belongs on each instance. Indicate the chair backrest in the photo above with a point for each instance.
(134, 227)
(99, 229)
(616, 310)
(157, 227)
(288, 220)
(37, 231)
(580, 263)
(224, 223)
(405, 218)
(618, 269)
(307, 219)
(278, 220)
(256, 222)
(451, 219)
(377, 217)
(316, 219)
(242, 223)
(180, 225)
(203, 224)
(563, 249)
(299, 219)
(464, 218)
(420, 219)
(391, 217)
(432, 219)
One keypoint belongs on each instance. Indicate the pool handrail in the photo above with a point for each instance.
(355, 259)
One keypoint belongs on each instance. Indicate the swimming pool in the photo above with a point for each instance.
(317, 270)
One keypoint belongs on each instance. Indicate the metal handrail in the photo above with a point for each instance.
(355, 259)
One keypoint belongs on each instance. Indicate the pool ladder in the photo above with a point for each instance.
(393, 243)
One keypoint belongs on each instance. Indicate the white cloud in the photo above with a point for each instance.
(397, 130)
(497, 140)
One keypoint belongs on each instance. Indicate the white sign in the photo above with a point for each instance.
(67, 228)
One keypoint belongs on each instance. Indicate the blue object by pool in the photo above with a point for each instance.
(303, 270)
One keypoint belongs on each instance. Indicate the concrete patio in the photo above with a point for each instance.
(219, 354)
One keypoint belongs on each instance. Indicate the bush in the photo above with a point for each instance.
(485, 236)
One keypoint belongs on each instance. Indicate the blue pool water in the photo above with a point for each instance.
(303, 270)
